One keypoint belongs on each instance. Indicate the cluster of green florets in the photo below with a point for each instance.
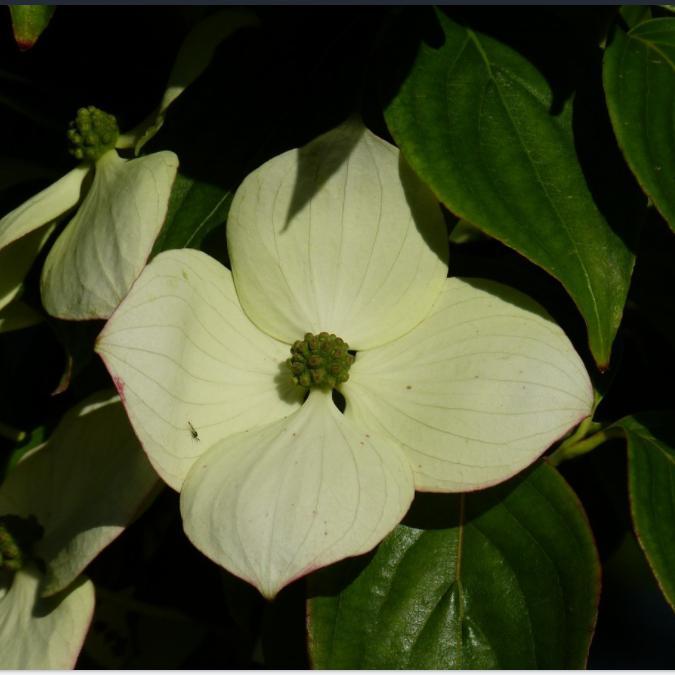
(17, 537)
(321, 361)
(92, 133)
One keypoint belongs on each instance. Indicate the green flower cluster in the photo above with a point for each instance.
(320, 361)
(92, 133)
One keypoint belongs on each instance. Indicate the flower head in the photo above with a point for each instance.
(450, 385)
(107, 241)
(92, 133)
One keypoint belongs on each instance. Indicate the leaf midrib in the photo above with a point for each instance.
(472, 36)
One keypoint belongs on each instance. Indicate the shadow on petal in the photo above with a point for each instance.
(317, 162)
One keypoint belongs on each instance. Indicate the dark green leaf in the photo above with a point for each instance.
(196, 209)
(639, 79)
(635, 14)
(651, 477)
(503, 578)
(475, 120)
(28, 22)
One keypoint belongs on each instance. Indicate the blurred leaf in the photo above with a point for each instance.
(28, 22)
(193, 57)
(77, 340)
(651, 471)
(18, 315)
(464, 232)
(35, 437)
(502, 578)
(635, 14)
(127, 633)
(475, 120)
(639, 79)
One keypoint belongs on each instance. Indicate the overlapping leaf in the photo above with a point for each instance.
(504, 578)
(651, 457)
(474, 120)
(639, 79)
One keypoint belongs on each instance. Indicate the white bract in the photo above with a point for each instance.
(107, 242)
(456, 384)
(94, 261)
(83, 487)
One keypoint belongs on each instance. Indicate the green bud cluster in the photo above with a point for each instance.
(92, 133)
(17, 537)
(321, 361)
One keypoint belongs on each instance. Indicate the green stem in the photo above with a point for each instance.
(581, 447)
(587, 427)
(15, 435)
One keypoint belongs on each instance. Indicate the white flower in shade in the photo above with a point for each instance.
(107, 242)
(59, 507)
(455, 385)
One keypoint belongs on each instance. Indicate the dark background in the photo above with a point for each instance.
(160, 603)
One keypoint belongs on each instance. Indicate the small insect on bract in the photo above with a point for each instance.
(193, 431)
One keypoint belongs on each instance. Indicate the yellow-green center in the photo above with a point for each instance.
(92, 133)
(320, 361)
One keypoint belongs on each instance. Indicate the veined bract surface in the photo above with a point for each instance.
(456, 384)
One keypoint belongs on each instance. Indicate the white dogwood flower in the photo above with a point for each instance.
(59, 507)
(107, 242)
(450, 384)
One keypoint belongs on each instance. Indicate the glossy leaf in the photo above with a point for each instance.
(651, 463)
(503, 578)
(474, 120)
(639, 79)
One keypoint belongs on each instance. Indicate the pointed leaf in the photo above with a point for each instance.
(84, 486)
(639, 79)
(651, 474)
(504, 578)
(189, 365)
(275, 503)
(103, 249)
(473, 119)
(337, 236)
(43, 633)
(28, 22)
(477, 391)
